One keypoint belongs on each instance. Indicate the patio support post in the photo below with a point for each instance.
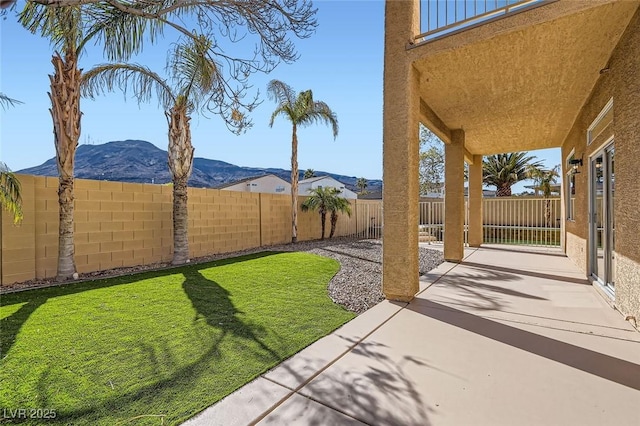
(454, 197)
(400, 153)
(475, 202)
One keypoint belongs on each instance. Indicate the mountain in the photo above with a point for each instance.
(142, 162)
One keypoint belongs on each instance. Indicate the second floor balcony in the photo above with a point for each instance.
(439, 18)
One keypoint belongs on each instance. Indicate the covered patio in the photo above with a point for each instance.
(549, 74)
(507, 336)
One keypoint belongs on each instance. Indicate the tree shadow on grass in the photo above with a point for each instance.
(213, 304)
(210, 301)
(33, 299)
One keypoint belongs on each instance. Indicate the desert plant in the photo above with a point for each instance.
(337, 204)
(319, 199)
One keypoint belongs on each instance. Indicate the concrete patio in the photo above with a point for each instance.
(508, 337)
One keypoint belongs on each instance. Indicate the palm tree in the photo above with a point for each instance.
(121, 27)
(302, 110)
(337, 204)
(10, 193)
(505, 170)
(309, 173)
(69, 29)
(319, 199)
(10, 189)
(544, 180)
(194, 82)
(362, 183)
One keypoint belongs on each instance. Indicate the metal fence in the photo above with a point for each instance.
(506, 220)
(442, 17)
(365, 220)
(524, 221)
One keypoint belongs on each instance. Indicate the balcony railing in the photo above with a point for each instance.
(440, 18)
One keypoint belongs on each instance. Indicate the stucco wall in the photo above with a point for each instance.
(577, 251)
(621, 81)
(127, 224)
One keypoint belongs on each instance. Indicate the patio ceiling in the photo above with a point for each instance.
(520, 89)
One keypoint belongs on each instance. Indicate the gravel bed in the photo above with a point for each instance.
(357, 286)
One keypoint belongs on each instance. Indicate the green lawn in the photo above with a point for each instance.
(160, 343)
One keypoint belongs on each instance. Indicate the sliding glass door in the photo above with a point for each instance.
(602, 200)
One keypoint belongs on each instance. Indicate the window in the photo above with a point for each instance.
(601, 122)
(570, 187)
(280, 188)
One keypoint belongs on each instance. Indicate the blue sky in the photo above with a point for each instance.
(342, 63)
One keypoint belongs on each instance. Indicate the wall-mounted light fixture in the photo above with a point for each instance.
(574, 163)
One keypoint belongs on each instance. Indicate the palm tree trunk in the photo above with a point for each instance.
(334, 220)
(323, 220)
(65, 112)
(294, 186)
(504, 190)
(181, 165)
(547, 212)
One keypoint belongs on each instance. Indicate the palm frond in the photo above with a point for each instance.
(6, 101)
(63, 26)
(321, 113)
(121, 32)
(281, 110)
(281, 92)
(195, 74)
(10, 193)
(139, 79)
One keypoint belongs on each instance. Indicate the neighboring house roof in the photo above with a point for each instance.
(247, 179)
(317, 178)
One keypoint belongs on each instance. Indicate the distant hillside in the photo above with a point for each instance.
(143, 162)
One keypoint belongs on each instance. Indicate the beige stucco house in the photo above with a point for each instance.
(531, 75)
(266, 184)
(307, 185)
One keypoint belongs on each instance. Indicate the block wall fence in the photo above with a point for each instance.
(127, 224)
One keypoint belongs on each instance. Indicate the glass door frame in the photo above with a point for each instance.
(608, 236)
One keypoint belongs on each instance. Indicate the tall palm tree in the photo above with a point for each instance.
(120, 27)
(302, 110)
(10, 193)
(337, 204)
(505, 170)
(70, 28)
(194, 82)
(309, 173)
(362, 184)
(319, 199)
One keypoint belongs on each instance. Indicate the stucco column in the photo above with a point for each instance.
(400, 153)
(475, 202)
(454, 197)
